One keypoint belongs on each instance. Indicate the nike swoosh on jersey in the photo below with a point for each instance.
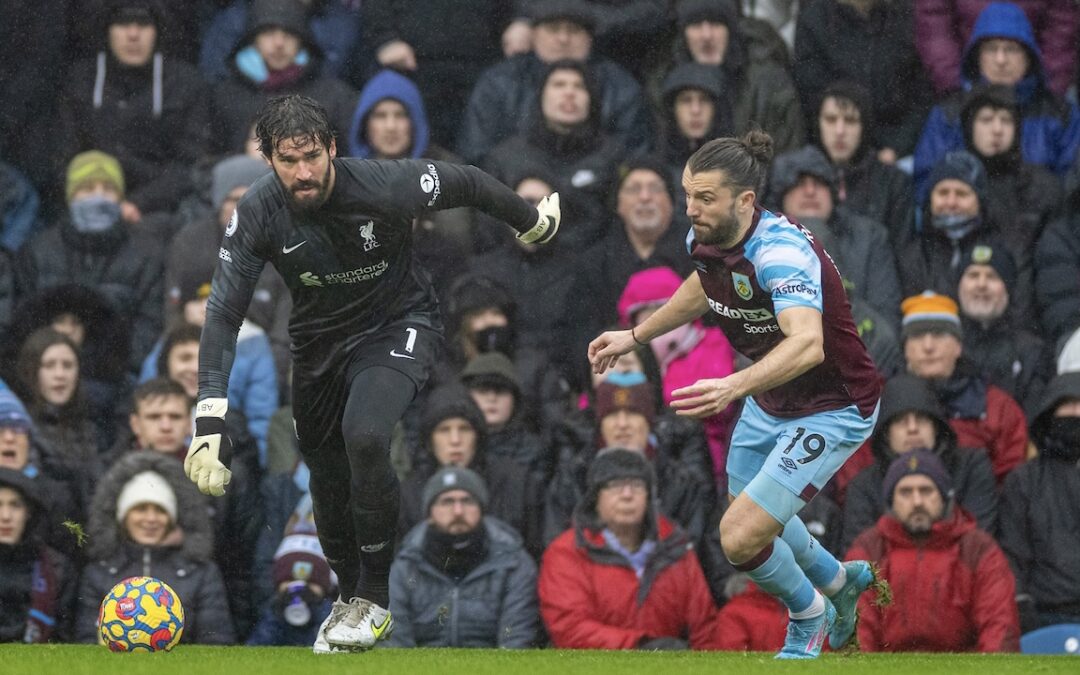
(393, 352)
(290, 249)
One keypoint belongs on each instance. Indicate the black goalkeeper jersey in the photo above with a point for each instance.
(348, 264)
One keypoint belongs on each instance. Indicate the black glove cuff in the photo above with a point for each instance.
(208, 426)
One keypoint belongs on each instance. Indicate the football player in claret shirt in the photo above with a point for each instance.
(811, 395)
(365, 331)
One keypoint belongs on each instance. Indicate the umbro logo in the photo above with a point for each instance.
(289, 249)
(309, 279)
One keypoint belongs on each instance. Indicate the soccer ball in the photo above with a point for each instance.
(140, 614)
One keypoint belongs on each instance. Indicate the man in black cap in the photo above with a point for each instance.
(952, 587)
(461, 578)
(503, 98)
(1012, 357)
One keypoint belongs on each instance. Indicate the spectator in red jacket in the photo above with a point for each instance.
(752, 620)
(982, 415)
(953, 590)
(623, 577)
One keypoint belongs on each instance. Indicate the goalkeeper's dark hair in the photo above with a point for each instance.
(744, 160)
(158, 388)
(182, 334)
(292, 116)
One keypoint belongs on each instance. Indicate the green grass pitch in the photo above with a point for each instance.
(195, 660)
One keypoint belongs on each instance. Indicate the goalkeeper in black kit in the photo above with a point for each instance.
(365, 332)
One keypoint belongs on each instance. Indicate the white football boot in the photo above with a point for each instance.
(363, 624)
(337, 612)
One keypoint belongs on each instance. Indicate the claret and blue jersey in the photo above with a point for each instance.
(778, 265)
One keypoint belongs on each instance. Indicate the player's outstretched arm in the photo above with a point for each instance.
(688, 303)
(801, 349)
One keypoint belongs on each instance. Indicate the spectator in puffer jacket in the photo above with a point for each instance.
(685, 355)
(623, 576)
(1002, 50)
(952, 587)
(147, 519)
(1038, 515)
(462, 578)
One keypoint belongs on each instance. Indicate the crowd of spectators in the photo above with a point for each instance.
(930, 144)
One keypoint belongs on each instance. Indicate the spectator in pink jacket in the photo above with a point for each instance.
(942, 28)
(685, 355)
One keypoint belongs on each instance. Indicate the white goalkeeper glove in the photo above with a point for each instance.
(210, 445)
(547, 225)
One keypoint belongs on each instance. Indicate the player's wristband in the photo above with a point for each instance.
(643, 344)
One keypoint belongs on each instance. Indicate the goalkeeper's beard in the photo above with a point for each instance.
(307, 204)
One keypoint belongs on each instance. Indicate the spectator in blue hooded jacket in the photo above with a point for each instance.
(389, 122)
(1002, 50)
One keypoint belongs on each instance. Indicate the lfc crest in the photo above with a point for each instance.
(367, 232)
(742, 285)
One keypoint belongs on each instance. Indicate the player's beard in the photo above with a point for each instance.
(308, 204)
(722, 233)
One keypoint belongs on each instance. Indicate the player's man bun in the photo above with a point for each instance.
(744, 160)
(759, 145)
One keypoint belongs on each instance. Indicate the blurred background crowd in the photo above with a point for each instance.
(931, 145)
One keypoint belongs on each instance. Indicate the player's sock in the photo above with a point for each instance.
(774, 569)
(376, 530)
(820, 566)
(815, 609)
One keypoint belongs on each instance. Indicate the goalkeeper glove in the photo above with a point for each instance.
(547, 225)
(210, 445)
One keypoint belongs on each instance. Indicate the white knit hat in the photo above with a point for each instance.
(143, 488)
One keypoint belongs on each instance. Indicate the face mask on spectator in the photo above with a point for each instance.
(94, 213)
(627, 378)
(956, 226)
(495, 339)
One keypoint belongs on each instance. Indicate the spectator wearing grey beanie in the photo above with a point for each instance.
(462, 578)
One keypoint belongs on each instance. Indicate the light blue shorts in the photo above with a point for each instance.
(783, 462)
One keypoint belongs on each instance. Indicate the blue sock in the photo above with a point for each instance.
(820, 566)
(774, 569)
